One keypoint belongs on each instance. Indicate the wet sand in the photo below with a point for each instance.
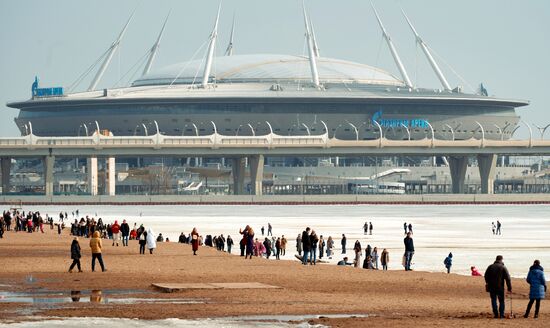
(389, 298)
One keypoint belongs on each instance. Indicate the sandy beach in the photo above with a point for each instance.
(388, 298)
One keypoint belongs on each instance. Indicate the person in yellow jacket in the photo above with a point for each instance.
(95, 245)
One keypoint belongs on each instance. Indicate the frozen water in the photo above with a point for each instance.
(464, 230)
(168, 323)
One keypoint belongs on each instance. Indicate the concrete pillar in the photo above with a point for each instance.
(256, 173)
(458, 166)
(238, 175)
(92, 175)
(487, 167)
(6, 167)
(110, 176)
(49, 162)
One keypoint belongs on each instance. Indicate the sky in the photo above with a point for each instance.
(502, 43)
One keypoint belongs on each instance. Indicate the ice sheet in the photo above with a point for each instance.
(464, 230)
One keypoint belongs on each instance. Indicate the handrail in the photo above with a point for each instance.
(270, 140)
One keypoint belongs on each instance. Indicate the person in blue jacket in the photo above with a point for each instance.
(448, 262)
(537, 282)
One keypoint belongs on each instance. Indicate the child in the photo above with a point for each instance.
(448, 262)
(475, 272)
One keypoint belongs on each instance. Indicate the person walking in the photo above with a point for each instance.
(242, 245)
(493, 228)
(370, 228)
(405, 227)
(269, 229)
(321, 247)
(365, 228)
(229, 243)
(375, 256)
(151, 241)
(95, 245)
(142, 242)
(115, 228)
(330, 246)
(262, 229)
(385, 259)
(410, 228)
(75, 255)
(125, 231)
(274, 245)
(343, 244)
(268, 246)
(448, 262)
(278, 249)
(283, 245)
(248, 236)
(357, 250)
(495, 276)
(194, 241)
(313, 240)
(409, 251)
(537, 287)
(306, 245)
(499, 225)
(299, 244)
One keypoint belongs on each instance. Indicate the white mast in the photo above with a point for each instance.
(229, 50)
(429, 56)
(311, 52)
(393, 51)
(210, 53)
(154, 48)
(111, 50)
(314, 40)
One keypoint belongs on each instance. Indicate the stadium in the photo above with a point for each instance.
(257, 94)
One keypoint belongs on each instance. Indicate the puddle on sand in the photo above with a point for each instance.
(45, 297)
(295, 317)
(165, 323)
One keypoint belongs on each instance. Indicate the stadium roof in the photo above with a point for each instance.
(269, 68)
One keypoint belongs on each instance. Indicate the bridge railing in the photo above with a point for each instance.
(264, 141)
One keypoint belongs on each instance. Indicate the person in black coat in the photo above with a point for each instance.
(495, 277)
(125, 231)
(75, 255)
(409, 251)
(229, 243)
(344, 244)
(306, 245)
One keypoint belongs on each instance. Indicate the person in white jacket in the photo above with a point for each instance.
(151, 242)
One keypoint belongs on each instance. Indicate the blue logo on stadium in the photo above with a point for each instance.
(398, 122)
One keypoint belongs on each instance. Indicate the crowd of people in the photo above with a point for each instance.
(252, 246)
(310, 247)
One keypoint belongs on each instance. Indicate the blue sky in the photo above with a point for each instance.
(502, 43)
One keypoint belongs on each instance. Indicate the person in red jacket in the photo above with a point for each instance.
(115, 228)
(475, 272)
(133, 234)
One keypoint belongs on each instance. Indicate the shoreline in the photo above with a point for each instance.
(423, 199)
